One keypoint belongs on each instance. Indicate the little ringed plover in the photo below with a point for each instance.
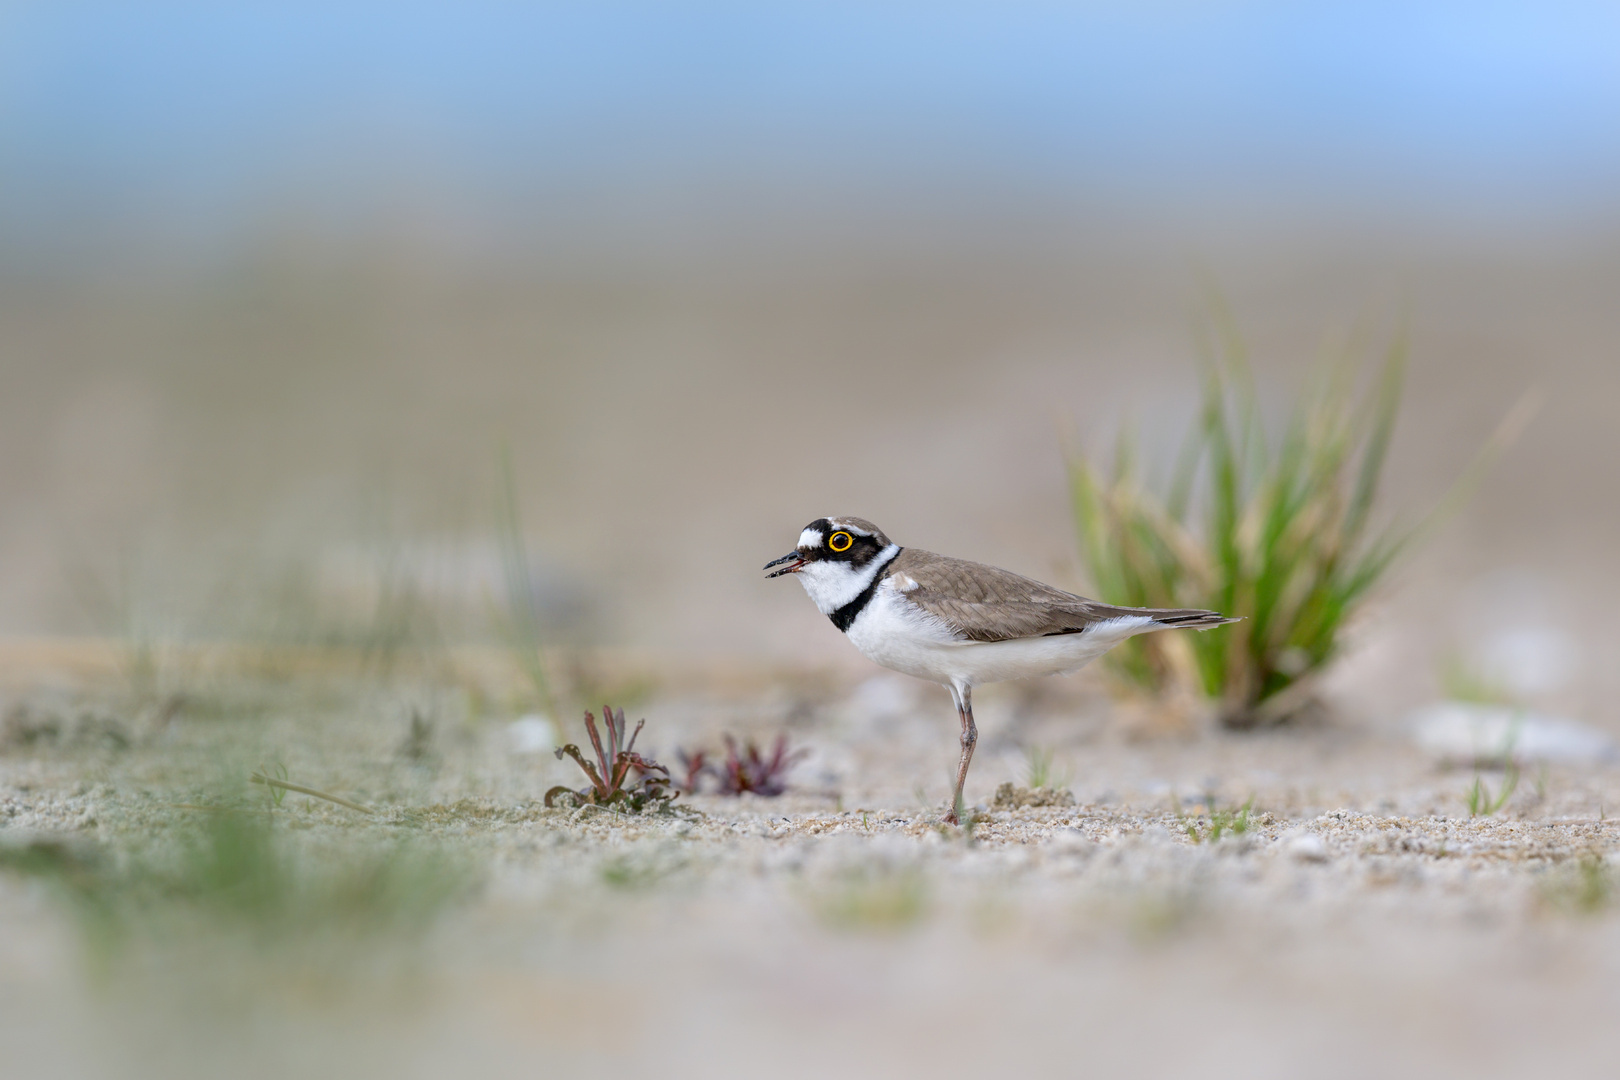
(956, 622)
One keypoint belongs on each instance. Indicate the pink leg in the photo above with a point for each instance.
(970, 737)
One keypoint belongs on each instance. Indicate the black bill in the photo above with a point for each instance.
(794, 557)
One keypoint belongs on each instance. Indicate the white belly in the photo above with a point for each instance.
(897, 634)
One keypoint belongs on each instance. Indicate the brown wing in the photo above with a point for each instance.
(986, 603)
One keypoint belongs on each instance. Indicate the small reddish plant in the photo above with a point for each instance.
(751, 770)
(617, 760)
(746, 768)
(693, 765)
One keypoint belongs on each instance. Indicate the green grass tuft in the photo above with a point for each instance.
(1278, 532)
(1038, 771)
(1481, 802)
(1219, 823)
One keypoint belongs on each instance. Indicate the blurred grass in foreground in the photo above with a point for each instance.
(237, 879)
(1278, 533)
(873, 898)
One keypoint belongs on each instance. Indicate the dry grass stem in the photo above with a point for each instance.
(283, 785)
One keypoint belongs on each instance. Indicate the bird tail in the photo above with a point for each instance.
(1184, 618)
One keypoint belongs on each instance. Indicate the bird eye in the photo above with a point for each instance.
(840, 541)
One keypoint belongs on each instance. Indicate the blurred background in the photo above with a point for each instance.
(278, 282)
(283, 287)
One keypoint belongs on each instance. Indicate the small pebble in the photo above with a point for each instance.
(1067, 840)
(1306, 847)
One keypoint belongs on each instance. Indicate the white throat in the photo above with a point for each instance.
(832, 584)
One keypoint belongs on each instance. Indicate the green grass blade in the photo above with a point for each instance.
(1387, 404)
(520, 599)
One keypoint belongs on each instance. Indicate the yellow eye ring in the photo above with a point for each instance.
(840, 541)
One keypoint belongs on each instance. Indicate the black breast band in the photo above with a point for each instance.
(844, 617)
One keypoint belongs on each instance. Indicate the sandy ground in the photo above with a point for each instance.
(1362, 924)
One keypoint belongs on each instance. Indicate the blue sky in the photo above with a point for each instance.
(127, 110)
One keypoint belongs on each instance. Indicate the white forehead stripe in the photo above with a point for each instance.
(849, 528)
(810, 538)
